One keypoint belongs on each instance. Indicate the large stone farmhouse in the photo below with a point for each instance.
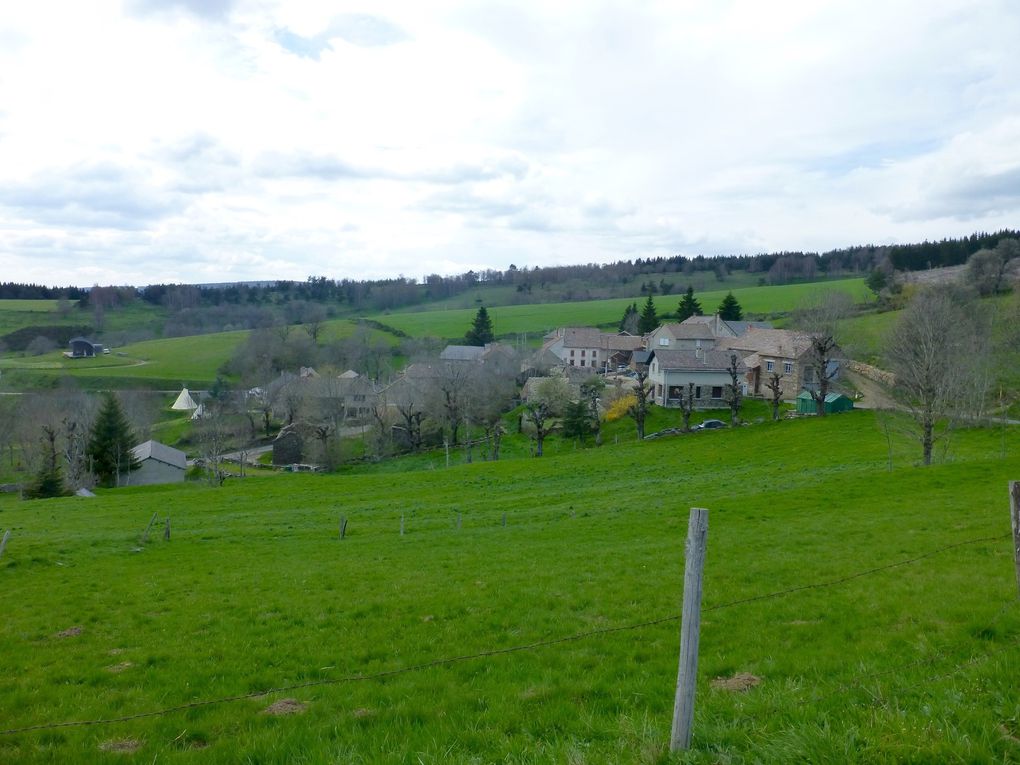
(671, 373)
(591, 348)
(783, 352)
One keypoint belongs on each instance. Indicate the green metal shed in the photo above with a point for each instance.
(834, 403)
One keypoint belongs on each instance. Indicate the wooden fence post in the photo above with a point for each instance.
(343, 526)
(690, 624)
(166, 532)
(3, 542)
(504, 520)
(1014, 514)
(145, 534)
(401, 525)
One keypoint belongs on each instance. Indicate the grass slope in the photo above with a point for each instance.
(15, 314)
(917, 663)
(540, 318)
(193, 361)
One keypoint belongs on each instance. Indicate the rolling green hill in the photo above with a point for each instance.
(540, 318)
(883, 661)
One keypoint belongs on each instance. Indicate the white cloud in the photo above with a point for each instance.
(184, 140)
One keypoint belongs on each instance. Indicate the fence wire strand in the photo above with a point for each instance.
(489, 653)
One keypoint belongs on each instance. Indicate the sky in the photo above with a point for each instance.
(149, 141)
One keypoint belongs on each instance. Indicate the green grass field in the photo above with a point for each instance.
(916, 663)
(540, 318)
(16, 314)
(171, 362)
(28, 306)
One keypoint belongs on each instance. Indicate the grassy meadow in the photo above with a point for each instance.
(254, 591)
(542, 317)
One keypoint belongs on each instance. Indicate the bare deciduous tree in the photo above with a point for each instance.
(551, 396)
(639, 409)
(733, 395)
(938, 351)
(775, 386)
(821, 320)
(687, 405)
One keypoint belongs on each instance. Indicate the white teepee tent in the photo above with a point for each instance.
(184, 402)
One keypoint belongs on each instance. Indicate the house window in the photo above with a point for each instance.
(594, 354)
(697, 392)
(716, 391)
(769, 366)
(571, 354)
(663, 341)
(788, 367)
(571, 362)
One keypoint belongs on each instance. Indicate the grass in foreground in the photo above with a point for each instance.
(254, 591)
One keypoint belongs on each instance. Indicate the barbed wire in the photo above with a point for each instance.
(488, 653)
(857, 575)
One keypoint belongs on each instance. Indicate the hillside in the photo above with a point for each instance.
(196, 360)
(880, 663)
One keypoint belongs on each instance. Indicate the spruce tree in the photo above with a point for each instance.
(110, 443)
(577, 420)
(649, 319)
(48, 481)
(629, 322)
(729, 308)
(481, 329)
(689, 306)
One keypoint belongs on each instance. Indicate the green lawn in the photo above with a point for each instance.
(916, 663)
(540, 318)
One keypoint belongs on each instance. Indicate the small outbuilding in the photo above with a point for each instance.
(159, 464)
(834, 403)
(83, 348)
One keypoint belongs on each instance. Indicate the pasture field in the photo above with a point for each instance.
(15, 314)
(28, 306)
(913, 663)
(542, 317)
(171, 362)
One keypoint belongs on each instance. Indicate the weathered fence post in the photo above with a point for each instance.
(166, 531)
(401, 525)
(145, 534)
(1014, 514)
(690, 624)
(3, 542)
(343, 526)
(504, 520)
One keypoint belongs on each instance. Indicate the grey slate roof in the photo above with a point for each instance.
(161, 453)
(740, 327)
(462, 353)
(693, 361)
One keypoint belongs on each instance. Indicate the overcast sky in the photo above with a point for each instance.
(216, 140)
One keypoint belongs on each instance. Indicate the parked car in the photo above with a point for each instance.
(710, 425)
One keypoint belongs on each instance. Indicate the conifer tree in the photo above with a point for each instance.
(689, 306)
(629, 322)
(729, 308)
(481, 329)
(649, 319)
(48, 481)
(110, 443)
